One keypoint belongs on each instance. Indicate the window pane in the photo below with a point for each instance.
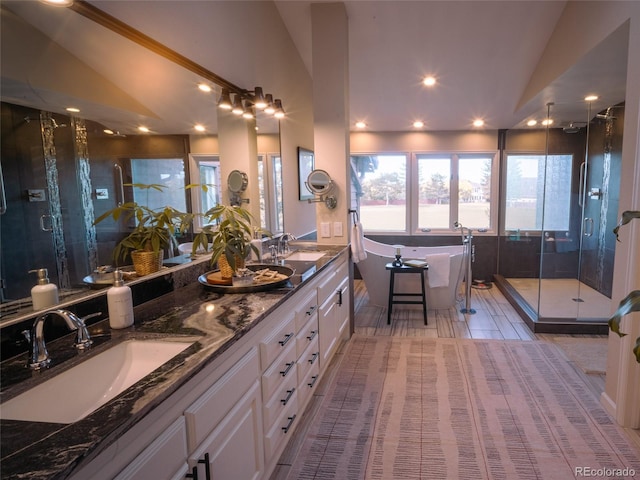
(434, 174)
(209, 176)
(262, 190)
(528, 185)
(474, 192)
(168, 172)
(279, 197)
(384, 201)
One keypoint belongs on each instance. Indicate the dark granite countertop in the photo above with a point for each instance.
(38, 450)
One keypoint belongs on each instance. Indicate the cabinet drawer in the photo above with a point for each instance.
(212, 407)
(306, 310)
(283, 368)
(307, 335)
(308, 358)
(281, 430)
(283, 335)
(308, 384)
(164, 458)
(330, 283)
(284, 395)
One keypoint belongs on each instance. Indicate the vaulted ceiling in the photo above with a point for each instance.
(482, 53)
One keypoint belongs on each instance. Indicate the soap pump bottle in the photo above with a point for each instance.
(44, 294)
(256, 255)
(119, 303)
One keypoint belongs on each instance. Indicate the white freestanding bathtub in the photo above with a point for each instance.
(376, 277)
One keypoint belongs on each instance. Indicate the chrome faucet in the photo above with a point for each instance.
(283, 243)
(38, 355)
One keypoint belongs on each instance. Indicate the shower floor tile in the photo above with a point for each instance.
(557, 298)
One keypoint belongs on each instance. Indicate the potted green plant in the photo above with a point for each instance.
(155, 231)
(229, 236)
(631, 303)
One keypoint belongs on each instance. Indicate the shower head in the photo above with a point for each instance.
(572, 127)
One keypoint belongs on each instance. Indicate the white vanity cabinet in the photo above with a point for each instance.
(233, 419)
(333, 316)
(224, 424)
(165, 457)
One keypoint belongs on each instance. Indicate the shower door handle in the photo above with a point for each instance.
(118, 169)
(581, 187)
(42, 225)
(588, 221)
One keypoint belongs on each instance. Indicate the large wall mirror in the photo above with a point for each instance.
(61, 169)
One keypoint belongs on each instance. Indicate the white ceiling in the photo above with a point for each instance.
(483, 54)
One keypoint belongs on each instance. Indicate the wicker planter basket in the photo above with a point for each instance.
(145, 262)
(226, 271)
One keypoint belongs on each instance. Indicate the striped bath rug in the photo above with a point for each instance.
(424, 408)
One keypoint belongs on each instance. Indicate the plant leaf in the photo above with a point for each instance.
(630, 303)
(626, 217)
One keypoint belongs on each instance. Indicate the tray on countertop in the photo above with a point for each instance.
(216, 284)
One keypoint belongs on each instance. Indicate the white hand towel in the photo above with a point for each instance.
(438, 274)
(357, 245)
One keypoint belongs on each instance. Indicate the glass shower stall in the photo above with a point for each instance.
(557, 247)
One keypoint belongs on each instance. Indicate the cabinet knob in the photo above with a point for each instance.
(287, 337)
(207, 468)
(193, 474)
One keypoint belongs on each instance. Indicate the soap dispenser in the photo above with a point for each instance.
(44, 294)
(256, 242)
(119, 303)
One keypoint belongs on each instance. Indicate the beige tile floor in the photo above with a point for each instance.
(557, 298)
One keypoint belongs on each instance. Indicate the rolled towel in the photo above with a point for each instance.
(438, 275)
(357, 244)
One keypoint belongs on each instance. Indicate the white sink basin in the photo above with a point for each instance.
(305, 256)
(77, 392)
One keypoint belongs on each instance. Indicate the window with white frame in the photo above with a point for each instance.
(538, 192)
(454, 188)
(271, 193)
(205, 172)
(444, 188)
(383, 185)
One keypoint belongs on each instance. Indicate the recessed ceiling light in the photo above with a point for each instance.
(590, 98)
(429, 81)
(108, 131)
(58, 3)
(547, 121)
(361, 125)
(418, 124)
(478, 122)
(72, 109)
(199, 128)
(532, 122)
(143, 129)
(204, 87)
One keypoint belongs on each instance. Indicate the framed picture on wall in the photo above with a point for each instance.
(305, 167)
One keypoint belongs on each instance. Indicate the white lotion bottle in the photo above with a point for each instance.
(119, 303)
(44, 294)
(257, 243)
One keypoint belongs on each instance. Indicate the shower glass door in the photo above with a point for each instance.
(577, 246)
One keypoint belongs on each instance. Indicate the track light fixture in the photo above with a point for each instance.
(247, 101)
(279, 113)
(269, 109)
(237, 108)
(225, 100)
(258, 99)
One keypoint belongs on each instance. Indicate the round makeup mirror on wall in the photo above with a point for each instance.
(237, 183)
(320, 184)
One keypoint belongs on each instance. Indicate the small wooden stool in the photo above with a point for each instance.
(406, 269)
